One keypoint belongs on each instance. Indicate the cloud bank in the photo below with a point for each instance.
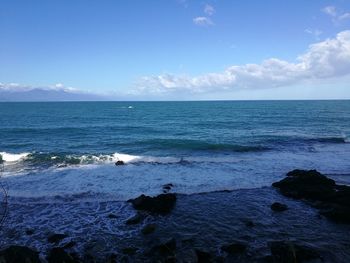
(322, 60)
(57, 92)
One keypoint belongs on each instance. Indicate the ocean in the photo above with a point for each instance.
(67, 150)
(60, 175)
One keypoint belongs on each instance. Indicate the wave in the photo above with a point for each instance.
(46, 160)
(342, 139)
(13, 157)
(70, 159)
(185, 144)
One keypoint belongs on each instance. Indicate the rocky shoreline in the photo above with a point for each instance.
(304, 217)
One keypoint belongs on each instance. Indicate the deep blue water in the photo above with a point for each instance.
(69, 148)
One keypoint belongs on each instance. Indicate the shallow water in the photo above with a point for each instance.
(202, 221)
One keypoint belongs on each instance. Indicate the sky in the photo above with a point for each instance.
(177, 49)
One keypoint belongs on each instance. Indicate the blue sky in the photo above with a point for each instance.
(160, 49)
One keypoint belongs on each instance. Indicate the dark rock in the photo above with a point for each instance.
(341, 196)
(16, 254)
(117, 163)
(135, 219)
(112, 216)
(161, 204)
(29, 232)
(332, 199)
(55, 238)
(148, 229)
(278, 207)
(167, 187)
(337, 213)
(249, 223)
(203, 256)
(234, 248)
(186, 255)
(112, 258)
(58, 255)
(166, 248)
(129, 250)
(288, 252)
(69, 244)
(306, 184)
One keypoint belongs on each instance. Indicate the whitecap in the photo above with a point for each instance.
(13, 157)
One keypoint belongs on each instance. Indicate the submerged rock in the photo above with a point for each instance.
(234, 248)
(135, 219)
(337, 213)
(15, 254)
(249, 223)
(203, 256)
(288, 252)
(112, 216)
(55, 238)
(70, 244)
(278, 207)
(58, 255)
(129, 251)
(29, 232)
(148, 229)
(165, 249)
(332, 199)
(161, 204)
(117, 163)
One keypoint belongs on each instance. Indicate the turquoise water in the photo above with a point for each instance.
(67, 149)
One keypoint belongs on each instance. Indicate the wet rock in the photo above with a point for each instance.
(112, 258)
(234, 248)
(135, 219)
(129, 251)
(249, 223)
(186, 255)
(148, 229)
(16, 254)
(166, 248)
(332, 199)
(337, 213)
(112, 216)
(56, 238)
(203, 256)
(288, 252)
(118, 163)
(306, 184)
(69, 244)
(167, 187)
(58, 255)
(161, 204)
(278, 207)
(29, 232)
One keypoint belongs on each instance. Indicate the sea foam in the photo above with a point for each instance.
(13, 157)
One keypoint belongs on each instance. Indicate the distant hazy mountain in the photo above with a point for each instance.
(42, 94)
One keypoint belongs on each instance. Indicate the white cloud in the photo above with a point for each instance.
(336, 15)
(323, 60)
(344, 16)
(330, 10)
(209, 10)
(314, 32)
(202, 21)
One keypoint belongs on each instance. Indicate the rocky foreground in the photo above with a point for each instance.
(307, 223)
